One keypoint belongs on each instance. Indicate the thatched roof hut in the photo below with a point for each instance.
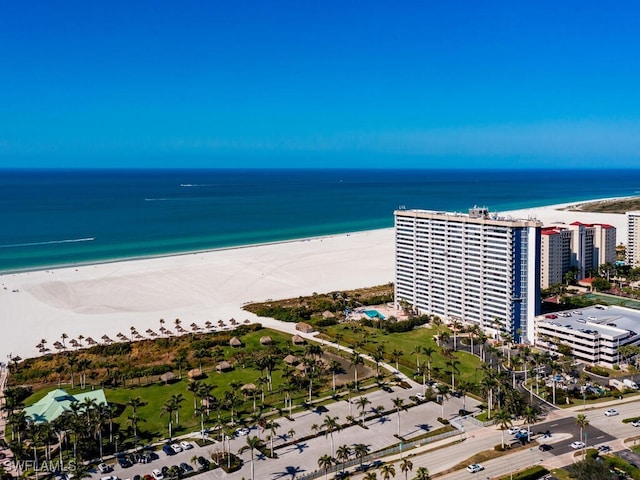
(235, 342)
(223, 366)
(328, 314)
(168, 377)
(248, 387)
(290, 359)
(304, 327)
(297, 340)
(195, 374)
(266, 340)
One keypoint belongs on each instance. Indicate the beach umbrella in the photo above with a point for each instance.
(220, 322)
(149, 331)
(168, 332)
(233, 321)
(246, 320)
(208, 324)
(91, 341)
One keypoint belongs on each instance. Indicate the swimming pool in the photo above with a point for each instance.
(374, 314)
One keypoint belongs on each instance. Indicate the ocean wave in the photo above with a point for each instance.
(51, 242)
(155, 199)
(193, 185)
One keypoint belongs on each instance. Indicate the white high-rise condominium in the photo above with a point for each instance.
(633, 239)
(477, 268)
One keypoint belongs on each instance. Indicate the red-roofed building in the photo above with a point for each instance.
(579, 246)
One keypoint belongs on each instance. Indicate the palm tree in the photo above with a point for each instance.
(378, 356)
(253, 443)
(395, 356)
(530, 417)
(429, 351)
(417, 350)
(360, 450)
(443, 390)
(194, 387)
(356, 359)
(406, 466)
(169, 407)
(343, 454)
(362, 405)
(325, 462)
(177, 400)
(388, 471)
(331, 425)
(453, 363)
(370, 476)
(582, 422)
(399, 404)
(334, 368)
(422, 474)
(503, 420)
(273, 426)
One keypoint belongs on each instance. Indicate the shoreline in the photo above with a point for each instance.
(111, 297)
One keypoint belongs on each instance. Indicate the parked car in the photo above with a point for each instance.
(243, 432)
(176, 448)
(168, 450)
(476, 467)
(185, 467)
(611, 412)
(203, 462)
(578, 445)
(157, 474)
(513, 430)
(604, 448)
(104, 468)
(545, 447)
(636, 423)
(124, 462)
(420, 396)
(185, 445)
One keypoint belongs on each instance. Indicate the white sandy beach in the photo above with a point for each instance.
(110, 298)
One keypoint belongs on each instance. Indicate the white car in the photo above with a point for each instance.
(186, 445)
(420, 396)
(176, 448)
(578, 445)
(513, 430)
(612, 412)
(243, 432)
(157, 474)
(104, 468)
(636, 423)
(476, 467)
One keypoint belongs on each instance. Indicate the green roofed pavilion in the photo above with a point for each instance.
(56, 402)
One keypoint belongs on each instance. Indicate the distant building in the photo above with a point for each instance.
(478, 268)
(594, 333)
(579, 246)
(633, 239)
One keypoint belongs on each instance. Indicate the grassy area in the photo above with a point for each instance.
(609, 206)
(368, 340)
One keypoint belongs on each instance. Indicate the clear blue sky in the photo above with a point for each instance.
(319, 83)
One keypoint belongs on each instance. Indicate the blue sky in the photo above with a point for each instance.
(315, 84)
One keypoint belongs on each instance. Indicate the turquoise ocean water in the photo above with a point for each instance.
(65, 217)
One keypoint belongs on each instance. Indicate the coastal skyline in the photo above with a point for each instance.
(246, 84)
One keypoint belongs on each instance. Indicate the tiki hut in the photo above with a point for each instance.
(304, 327)
(167, 377)
(223, 366)
(290, 360)
(235, 342)
(328, 314)
(266, 340)
(298, 340)
(248, 387)
(195, 374)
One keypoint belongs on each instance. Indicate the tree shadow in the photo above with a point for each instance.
(289, 471)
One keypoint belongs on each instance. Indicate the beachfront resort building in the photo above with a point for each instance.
(633, 239)
(58, 401)
(594, 334)
(476, 268)
(580, 247)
